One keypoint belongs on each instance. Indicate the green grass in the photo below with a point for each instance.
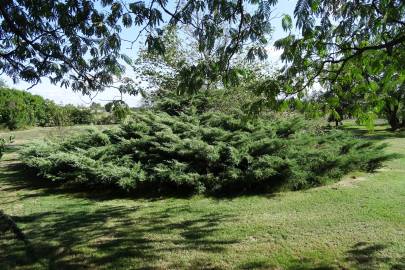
(358, 223)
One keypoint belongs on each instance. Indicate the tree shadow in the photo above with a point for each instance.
(311, 264)
(399, 265)
(370, 256)
(9, 149)
(81, 235)
(367, 256)
(256, 264)
(375, 135)
(109, 237)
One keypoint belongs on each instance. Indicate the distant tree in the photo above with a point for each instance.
(78, 115)
(119, 109)
(96, 107)
(20, 109)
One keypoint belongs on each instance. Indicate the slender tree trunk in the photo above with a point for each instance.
(393, 119)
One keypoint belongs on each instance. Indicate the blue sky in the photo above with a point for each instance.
(66, 96)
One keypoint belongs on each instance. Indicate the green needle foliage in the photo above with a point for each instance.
(211, 153)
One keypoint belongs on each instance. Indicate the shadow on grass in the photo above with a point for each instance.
(362, 255)
(370, 256)
(11, 148)
(109, 236)
(83, 235)
(17, 177)
(366, 256)
(376, 135)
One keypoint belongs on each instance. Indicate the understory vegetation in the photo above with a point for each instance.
(212, 153)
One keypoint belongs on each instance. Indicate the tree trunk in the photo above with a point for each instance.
(393, 120)
(6, 223)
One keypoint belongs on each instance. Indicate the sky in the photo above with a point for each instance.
(64, 96)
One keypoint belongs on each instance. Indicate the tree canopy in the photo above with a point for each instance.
(77, 43)
(341, 42)
(337, 33)
(354, 50)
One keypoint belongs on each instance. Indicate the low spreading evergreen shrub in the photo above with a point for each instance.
(212, 153)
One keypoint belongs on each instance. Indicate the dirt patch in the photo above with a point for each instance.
(351, 182)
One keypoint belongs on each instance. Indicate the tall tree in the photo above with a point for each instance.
(362, 40)
(77, 42)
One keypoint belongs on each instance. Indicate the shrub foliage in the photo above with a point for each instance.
(212, 153)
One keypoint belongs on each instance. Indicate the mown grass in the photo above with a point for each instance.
(358, 223)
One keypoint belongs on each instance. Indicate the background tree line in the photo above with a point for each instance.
(20, 109)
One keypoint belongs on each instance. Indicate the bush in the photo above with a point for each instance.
(213, 153)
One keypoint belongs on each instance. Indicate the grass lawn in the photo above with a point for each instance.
(358, 223)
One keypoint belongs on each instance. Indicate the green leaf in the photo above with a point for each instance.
(286, 22)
